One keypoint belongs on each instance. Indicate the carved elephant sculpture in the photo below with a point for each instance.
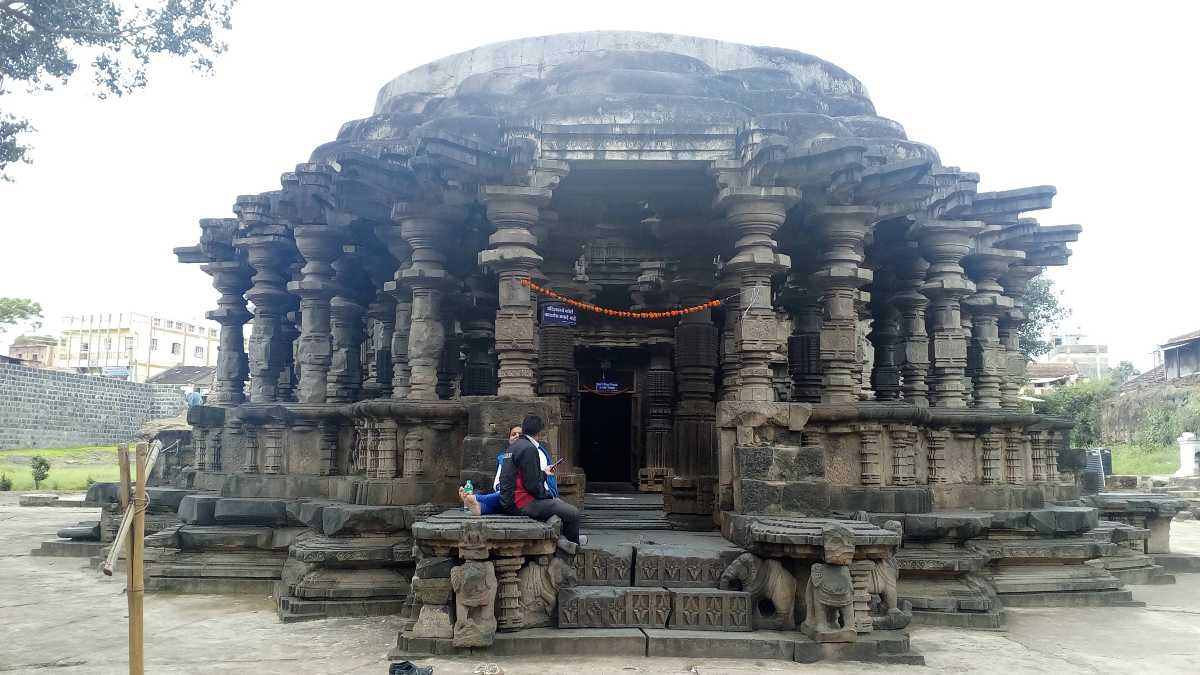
(829, 609)
(772, 590)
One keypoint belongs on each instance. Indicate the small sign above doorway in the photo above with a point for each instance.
(558, 314)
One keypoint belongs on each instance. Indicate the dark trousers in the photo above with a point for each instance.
(542, 509)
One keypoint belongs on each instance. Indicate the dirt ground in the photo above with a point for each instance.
(56, 615)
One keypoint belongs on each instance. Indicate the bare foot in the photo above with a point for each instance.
(470, 502)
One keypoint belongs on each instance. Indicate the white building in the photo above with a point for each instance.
(134, 346)
(1090, 360)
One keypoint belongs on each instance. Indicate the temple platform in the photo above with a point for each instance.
(888, 647)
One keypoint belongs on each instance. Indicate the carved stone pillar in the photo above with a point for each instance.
(660, 394)
(870, 469)
(346, 311)
(320, 246)
(508, 598)
(1015, 281)
(944, 243)
(232, 279)
(992, 444)
(904, 461)
(289, 331)
(885, 334)
(329, 443)
(967, 323)
(514, 211)
(988, 305)
(804, 344)
(1014, 456)
(843, 230)
(268, 255)
(690, 491)
(428, 279)
(936, 457)
(402, 252)
(382, 313)
(558, 378)
(914, 350)
(755, 214)
(730, 357)
(1037, 455)
(449, 369)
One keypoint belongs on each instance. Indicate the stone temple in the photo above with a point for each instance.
(849, 372)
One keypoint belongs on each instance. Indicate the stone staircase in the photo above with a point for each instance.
(623, 511)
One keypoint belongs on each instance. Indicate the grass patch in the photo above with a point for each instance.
(70, 468)
(1145, 459)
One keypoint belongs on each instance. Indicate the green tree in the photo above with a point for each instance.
(1045, 310)
(1080, 402)
(41, 39)
(41, 469)
(16, 310)
(1124, 372)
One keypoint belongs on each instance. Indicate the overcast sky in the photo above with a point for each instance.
(1097, 101)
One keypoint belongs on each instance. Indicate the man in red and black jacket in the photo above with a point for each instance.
(523, 483)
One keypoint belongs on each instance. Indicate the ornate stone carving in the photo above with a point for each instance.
(474, 585)
(539, 581)
(771, 587)
(843, 230)
(936, 455)
(828, 598)
(414, 451)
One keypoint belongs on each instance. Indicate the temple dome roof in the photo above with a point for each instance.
(644, 77)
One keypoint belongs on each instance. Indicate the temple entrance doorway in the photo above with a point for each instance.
(606, 440)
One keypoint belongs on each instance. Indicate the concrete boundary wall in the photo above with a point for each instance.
(42, 408)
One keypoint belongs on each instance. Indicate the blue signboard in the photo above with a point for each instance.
(557, 314)
(603, 387)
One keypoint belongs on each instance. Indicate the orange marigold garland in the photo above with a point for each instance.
(623, 314)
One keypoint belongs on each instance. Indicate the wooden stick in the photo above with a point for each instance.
(126, 488)
(127, 520)
(137, 589)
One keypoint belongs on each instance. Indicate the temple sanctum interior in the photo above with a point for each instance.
(775, 341)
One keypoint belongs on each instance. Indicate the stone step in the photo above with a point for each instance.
(887, 647)
(68, 548)
(1121, 598)
(209, 585)
(292, 609)
(1179, 563)
(1034, 582)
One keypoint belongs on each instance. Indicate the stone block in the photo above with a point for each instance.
(681, 566)
(709, 609)
(336, 551)
(88, 531)
(779, 463)
(694, 644)
(434, 621)
(543, 642)
(958, 526)
(166, 498)
(434, 568)
(348, 519)
(432, 591)
(37, 500)
(325, 583)
(880, 499)
(236, 511)
(308, 512)
(613, 607)
(199, 509)
(605, 565)
(103, 493)
(201, 538)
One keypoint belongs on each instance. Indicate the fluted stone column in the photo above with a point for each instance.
(402, 252)
(1015, 281)
(756, 214)
(514, 211)
(231, 278)
(320, 246)
(347, 310)
(914, 350)
(944, 243)
(427, 278)
(988, 304)
(842, 230)
(660, 394)
(268, 255)
(884, 336)
(730, 359)
(382, 314)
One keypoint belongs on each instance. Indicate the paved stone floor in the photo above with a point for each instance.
(58, 616)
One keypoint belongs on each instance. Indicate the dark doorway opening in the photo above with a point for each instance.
(605, 437)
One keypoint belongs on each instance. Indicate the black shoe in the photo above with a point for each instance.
(409, 668)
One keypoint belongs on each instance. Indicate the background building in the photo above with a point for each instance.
(38, 351)
(133, 346)
(1090, 360)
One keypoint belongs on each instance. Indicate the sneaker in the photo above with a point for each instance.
(583, 540)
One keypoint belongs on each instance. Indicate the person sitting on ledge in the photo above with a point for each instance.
(481, 504)
(527, 485)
